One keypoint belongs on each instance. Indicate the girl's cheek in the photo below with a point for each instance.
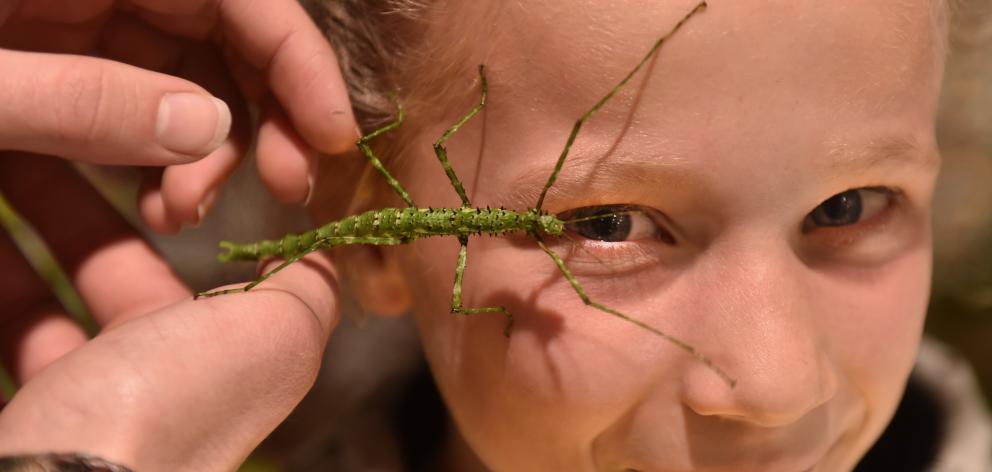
(874, 328)
(879, 317)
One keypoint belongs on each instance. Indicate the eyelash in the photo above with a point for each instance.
(600, 255)
(623, 218)
(878, 209)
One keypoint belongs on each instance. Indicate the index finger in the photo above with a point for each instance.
(281, 40)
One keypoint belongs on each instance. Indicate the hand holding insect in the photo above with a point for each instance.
(133, 83)
(167, 384)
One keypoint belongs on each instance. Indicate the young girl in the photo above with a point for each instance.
(781, 156)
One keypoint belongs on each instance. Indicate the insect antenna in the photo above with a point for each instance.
(599, 216)
(578, 247)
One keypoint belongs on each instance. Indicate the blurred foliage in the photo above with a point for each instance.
(41, 259)
(37, 253)
(7, 387)
(259, 464)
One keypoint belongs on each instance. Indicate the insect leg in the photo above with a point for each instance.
(578, 123)
(363, 145)
(318, 245)
(442, 153)
(456, 293)
(585, 299)
(260, 278)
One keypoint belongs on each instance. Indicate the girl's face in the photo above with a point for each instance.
(784, 155)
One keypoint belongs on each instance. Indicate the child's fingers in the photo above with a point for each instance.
(118, 275)
(283, 159)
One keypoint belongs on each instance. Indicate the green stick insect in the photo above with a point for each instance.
(391, 226)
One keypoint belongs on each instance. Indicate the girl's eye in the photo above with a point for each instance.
(614, 223)
(849, 208)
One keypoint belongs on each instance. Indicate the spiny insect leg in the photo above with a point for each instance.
(578, 123)
(260, 278)
(320, 244)
(676, 341)
(442, 153)
(363, 145)
(456, 293)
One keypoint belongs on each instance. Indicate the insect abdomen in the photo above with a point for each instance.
(402, 223)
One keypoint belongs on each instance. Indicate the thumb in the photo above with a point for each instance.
(105, 112)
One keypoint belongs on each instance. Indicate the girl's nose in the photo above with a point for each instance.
(768, 337)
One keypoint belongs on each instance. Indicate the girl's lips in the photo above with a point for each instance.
(731, 468)
(638, 470)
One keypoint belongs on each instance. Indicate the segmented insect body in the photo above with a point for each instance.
(390, 226)
(400, 225)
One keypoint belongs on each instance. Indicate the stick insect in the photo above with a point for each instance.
(392, 226)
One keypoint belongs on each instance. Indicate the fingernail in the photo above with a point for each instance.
(192, 123)
(204, 206)
(310, 181)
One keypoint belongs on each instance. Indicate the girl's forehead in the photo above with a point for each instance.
(548, 58)
(529, 33)
(580, 47)
(821, 74)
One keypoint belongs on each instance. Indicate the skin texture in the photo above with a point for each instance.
(752, 116)
(169, 384)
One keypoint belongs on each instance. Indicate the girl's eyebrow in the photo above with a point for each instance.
(886, 151)
(589, 175)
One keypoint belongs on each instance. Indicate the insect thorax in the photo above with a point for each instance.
(414, 223)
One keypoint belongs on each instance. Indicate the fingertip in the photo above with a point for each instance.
(304, 74)
(338, 132)
(151, 207)
(189, 191)
(315, 280)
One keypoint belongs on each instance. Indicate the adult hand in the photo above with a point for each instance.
(170, 383)
(143, 93)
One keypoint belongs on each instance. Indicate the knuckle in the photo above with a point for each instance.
(84, 110)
